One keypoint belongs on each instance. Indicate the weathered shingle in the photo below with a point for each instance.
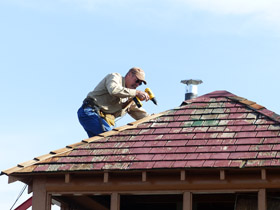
(216, 130)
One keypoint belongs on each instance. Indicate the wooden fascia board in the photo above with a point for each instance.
(158, 185)
(28, 166)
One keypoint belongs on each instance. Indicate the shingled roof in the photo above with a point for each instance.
(216, 130)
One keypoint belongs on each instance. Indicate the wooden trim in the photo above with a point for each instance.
(71, 146)
(91, 139)
(152, 192)
(30, 188)
(263, 174)
(43, 157)
(106, 177)
(48, 202)
(183, 175)
(144, 176)
(247, 102)
(27, 163)
(60, 151)
(187, 201)
(115, 201)
(40, 199)
(145, 119)
(108, 133)
(67, 178)
(12, 179)
(262, 199)
(222, 175)
(124, 127)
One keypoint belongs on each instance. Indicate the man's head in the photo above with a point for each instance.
(134, 77)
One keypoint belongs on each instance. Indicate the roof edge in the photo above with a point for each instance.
(68, 148)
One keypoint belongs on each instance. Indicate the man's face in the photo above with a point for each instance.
(132, 81)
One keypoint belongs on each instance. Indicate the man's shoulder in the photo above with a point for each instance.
(114, 76)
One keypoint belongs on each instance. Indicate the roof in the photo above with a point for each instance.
(216, 130)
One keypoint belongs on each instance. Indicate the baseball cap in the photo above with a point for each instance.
(139, 73)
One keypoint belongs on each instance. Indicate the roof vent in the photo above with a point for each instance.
(191, 89)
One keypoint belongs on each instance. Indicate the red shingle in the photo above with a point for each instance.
(268, 134)
(179, 164)
(243, 155)
(204, 156)
(263, 155)
(263, 147)
(217, 130)
(162, 130)
(245, 134)
(243, 148)
(155, 143)
(223, 155)
(144, 157)
(163, 164)
(203, 149)
(158, 157)
(177, 143)
(194, 163)
(222, 163)
(185, 149)
(175, 130)
(249, 141)
(142, 165)
(174, 156)
(209, 163)
(146, 131)
(215, 141)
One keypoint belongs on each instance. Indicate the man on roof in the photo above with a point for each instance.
(112, 98)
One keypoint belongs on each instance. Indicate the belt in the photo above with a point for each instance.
(110, 118)
(88, 102)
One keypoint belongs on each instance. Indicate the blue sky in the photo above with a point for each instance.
(52, 53)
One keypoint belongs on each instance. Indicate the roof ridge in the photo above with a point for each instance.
(70, 147)
(256, 107)
(248, 103)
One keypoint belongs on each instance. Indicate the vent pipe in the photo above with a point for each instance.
(191, 89)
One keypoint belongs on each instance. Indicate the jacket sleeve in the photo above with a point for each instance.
(116, 87)
(137, 113)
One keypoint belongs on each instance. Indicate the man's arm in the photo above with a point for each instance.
(115, 87)
(137, 113)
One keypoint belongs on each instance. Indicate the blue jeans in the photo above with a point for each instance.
(91, 121)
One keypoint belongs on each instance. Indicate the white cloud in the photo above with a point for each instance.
(264, 11)
(262, 14)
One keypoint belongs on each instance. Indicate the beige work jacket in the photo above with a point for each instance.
(111, 95)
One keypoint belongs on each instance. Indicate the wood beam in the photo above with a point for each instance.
(85, 202)
(144, 176)
(262, 199)
(106, 177)
(222, 175)
(30, 188)
(67, 178)
(12, 179)
(115, 201)
(40, 198)
(49, 202)
(183, 175)
(187, 201)
(263, 174)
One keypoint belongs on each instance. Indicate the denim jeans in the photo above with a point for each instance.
(91, 121)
